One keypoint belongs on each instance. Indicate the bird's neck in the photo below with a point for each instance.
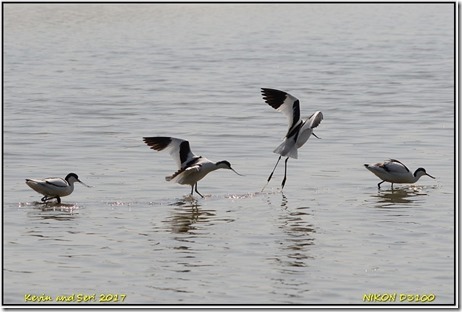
(418, 175)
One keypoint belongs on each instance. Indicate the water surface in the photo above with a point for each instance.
(84, 83)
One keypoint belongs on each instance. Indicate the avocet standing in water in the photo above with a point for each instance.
(394, 171)
(191, 168)
(299, 130)
(54, 187)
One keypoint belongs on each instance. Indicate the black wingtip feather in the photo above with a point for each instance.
(157, 143)
(273, 97)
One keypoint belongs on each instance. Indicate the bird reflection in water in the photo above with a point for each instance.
(298, 236)
(186, 214)
(52, 210)
(394, 198)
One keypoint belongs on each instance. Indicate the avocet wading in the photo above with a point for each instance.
(54, 187)
(394, 171)
(191, 168)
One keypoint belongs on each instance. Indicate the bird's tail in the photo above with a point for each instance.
(289, 150)
(174, 177)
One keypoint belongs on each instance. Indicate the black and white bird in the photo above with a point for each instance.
(299, 130)
(54, 187)
(191, 168)
(394, 171)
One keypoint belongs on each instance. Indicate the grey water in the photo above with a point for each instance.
(83, 83)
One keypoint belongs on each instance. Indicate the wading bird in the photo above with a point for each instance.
(191, 168)
(54, 187)
(394, 171)
(299, 130)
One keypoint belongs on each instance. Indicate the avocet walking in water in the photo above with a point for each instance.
(54, 187)
(394, 171)
(191, 168)
(299, 130)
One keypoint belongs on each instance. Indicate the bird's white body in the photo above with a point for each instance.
(394, 171)
(196, 172)
(51, 186)
(54, 187)
(191, 168)
(289, 147)
(299, 130)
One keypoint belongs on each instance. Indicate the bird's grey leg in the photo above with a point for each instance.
(58, 199)
(192, 189)
(198, 192)
(285, 173)
(380, 183)
(44, 198)
(271, 175)
(315, 135)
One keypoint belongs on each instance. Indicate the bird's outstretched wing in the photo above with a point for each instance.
(285, 103)
(314, 120)
(179, 149)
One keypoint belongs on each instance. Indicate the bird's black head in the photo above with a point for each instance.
(226, 165)
(420, 172)
(71, 175)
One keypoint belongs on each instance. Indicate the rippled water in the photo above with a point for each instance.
(84, 83)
